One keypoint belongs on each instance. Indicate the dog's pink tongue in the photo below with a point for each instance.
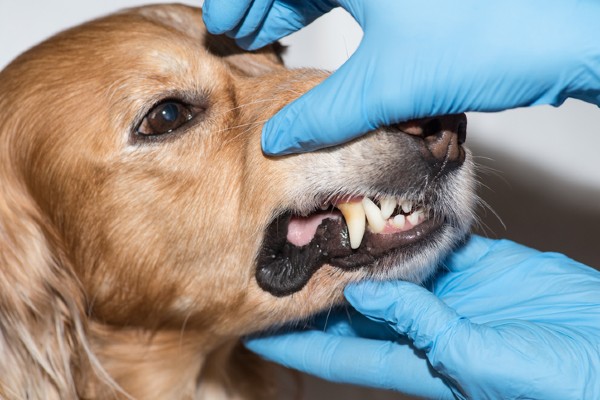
(301, 230)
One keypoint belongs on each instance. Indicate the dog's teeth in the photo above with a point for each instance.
(406, 206)
(373, 214)
(413, 218)
(388, 205)
(354, 214)
(399, 221)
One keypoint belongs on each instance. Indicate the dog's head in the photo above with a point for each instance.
(131, 163)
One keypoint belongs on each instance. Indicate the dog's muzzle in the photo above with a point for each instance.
(351, 232)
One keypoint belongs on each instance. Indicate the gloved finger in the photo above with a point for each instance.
(350, 323)
(222, 16)
(306, 123)
(282, 18)
(253, 19)
(353, 360)
(475, 250)
(405, 307)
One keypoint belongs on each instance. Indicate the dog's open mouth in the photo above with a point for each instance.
(348, 233)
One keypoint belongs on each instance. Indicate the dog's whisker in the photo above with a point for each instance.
(485, 186)
(250, 125)
(327, 317)
(485, 169)
(482, 227)
(482, 157)
(229, 128)
(233, 139)
(486, 206)
(240, 106)
(488, 170)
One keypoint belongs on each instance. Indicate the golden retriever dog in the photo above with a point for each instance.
(143, 232)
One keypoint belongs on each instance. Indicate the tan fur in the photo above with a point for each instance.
(127, 269)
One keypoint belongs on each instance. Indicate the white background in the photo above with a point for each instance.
(546, 184)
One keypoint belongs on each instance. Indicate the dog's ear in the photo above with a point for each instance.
(252, 63)
(35, 321)
(43, 350)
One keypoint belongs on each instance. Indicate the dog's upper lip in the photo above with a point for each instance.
(283, 268)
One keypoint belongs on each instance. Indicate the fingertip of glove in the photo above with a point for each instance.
(269, 347)
(270, 140)
(254, 344)
(250, 42)
(220, 19)
(316, 120)
(213, 27)
(277, 135)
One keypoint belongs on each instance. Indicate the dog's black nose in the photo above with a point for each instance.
(442, 137)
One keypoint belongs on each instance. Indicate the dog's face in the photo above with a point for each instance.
(138, 137)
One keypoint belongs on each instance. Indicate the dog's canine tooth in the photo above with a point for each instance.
(373, 214)
(354, 214)
(406, 206)
(388, 205)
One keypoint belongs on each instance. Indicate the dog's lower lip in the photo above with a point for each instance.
(375, 246)
(283, 268)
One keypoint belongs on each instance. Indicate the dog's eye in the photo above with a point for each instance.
(166, 117)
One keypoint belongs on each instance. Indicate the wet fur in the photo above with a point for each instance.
(127, 268)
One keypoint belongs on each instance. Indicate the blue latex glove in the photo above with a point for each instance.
(425, 58)
(505, 321)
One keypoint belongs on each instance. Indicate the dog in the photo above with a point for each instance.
(143, 232)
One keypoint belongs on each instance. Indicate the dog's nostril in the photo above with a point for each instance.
(443, 137)
(431, 127)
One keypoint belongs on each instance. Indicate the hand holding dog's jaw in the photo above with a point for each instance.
(132, 146)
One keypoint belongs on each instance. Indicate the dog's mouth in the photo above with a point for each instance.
(348, 233)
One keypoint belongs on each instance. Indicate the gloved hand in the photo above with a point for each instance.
(504, 321)
(425, 58)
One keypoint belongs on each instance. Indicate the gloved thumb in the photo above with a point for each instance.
(307, 123)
